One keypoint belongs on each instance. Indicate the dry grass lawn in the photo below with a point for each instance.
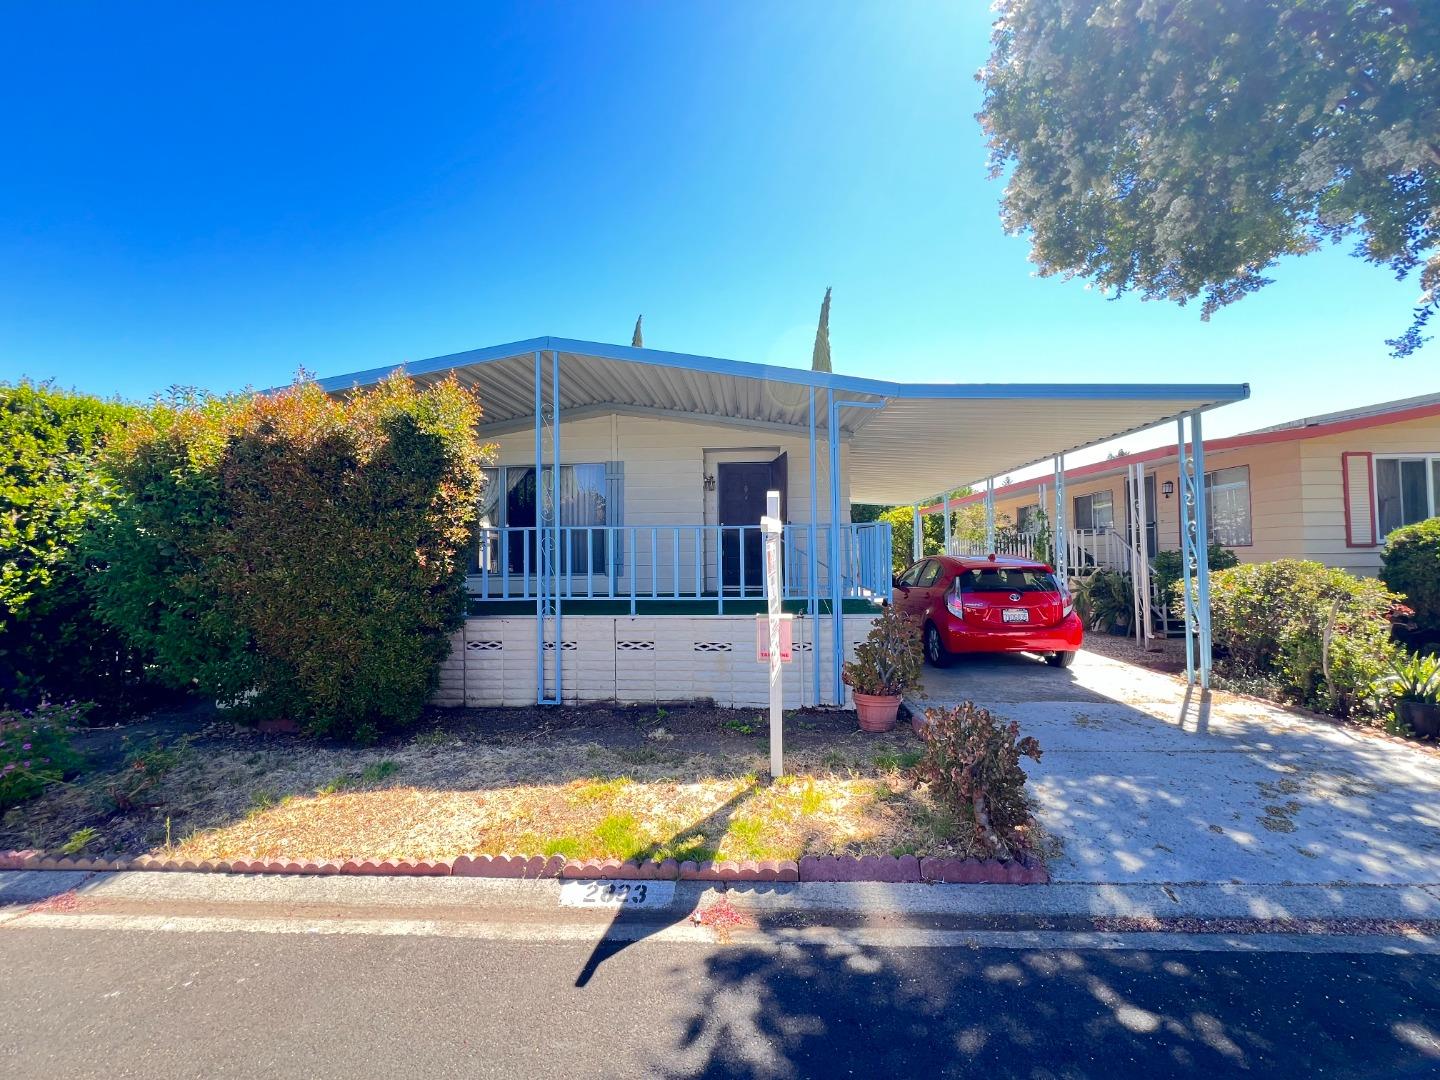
(632, 785)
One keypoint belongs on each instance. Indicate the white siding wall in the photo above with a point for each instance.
(1323, 492)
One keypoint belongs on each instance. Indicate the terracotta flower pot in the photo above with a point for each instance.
(877, 712)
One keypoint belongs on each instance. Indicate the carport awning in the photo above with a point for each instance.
(921, 440)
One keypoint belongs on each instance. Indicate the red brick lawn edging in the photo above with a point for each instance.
(903, 868)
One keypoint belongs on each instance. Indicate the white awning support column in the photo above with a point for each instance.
(989, 515)
(1194, 551)
(1140, 554)
(1061, 544)
(945, 506)
(917, 533)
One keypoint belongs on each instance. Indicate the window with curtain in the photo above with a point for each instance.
(1095, 511)
(511, 499)
(1227, 506)
(485, 552)
(1406, 490)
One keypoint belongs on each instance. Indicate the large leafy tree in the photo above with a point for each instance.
(1179, 148)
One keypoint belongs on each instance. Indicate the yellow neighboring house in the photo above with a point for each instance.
(1327, 488)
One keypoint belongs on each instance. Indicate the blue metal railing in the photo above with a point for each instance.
(681, 562)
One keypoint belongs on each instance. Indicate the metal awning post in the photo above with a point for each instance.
(989, 514)
(837, 613)
(1202, 550)
(946, 540)
(1061, 544)
(917, 533)
(814, 561)
(1139, 552)
(547, 532)
(1187, 544)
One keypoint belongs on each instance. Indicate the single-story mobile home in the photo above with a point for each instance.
(1326, 488)
(618, 555)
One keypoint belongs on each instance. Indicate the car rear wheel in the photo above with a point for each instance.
(1060, 659)
(935, 652)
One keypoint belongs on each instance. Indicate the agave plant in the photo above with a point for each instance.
(1416, 678)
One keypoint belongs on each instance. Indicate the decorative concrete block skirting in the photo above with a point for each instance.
(637, 659)
(905, 868)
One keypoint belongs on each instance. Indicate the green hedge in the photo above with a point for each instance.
(1411, 567)
(300, 553)
(51, 495)
(1271, 620)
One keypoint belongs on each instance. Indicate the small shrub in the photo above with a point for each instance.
(35, 749)
(1167, 567)
(1411, 567)
(888, 661)
(972, 764)
(1321, 633)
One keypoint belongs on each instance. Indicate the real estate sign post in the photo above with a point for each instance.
(771, 528)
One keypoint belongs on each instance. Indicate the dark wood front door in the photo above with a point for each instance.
(741, 496)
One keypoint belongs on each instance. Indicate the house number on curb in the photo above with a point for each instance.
(617, 894)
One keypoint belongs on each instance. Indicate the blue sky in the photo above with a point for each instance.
(220, 195)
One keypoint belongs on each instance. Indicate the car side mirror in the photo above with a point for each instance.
(895, 582)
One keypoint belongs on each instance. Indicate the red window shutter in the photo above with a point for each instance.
(1358, 494)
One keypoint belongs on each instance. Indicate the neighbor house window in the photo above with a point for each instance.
(1227, 506)
(1406, 489)
(1027, 519)
(1095, 511)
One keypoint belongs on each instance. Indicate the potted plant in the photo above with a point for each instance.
(886, 666)
(1416, 683)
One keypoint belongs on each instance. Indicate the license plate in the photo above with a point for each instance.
(617, 894)
(1015, 614)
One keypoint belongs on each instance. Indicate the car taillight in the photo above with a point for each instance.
(953, 604)
(1067, 602)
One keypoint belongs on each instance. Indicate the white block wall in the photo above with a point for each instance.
(639, 659)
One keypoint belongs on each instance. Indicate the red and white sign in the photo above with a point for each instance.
(762, 639)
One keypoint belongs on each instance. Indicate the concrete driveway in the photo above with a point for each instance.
(1143, 782)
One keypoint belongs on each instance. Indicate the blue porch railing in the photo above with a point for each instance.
(681, 562)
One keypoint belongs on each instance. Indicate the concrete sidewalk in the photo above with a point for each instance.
(1142, 782)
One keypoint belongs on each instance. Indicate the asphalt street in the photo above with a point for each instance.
(159, 1004)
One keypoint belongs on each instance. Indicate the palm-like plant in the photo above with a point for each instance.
(1415, 678)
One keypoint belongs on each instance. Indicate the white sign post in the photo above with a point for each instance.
(771, 529)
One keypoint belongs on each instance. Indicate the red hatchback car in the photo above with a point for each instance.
(990, 604)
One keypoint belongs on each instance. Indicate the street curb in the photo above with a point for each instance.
(839, 868)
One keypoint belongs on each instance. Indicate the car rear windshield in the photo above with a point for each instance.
(1001, 579)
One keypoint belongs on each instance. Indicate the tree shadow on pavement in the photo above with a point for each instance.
(843, 1010)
